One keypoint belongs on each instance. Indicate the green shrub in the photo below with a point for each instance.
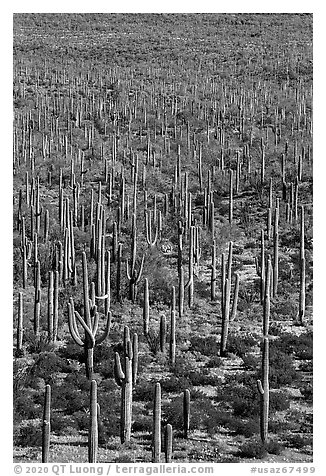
(307, 392)
(47, 365)
(175, 384)
(281, 370)
(298, 441)
(240, 346)
(29, 434)
(252, 449)
(214, 362)
(204, 345)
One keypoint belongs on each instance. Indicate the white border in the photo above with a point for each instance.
(319, 184)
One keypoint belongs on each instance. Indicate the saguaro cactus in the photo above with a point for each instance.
(89, 323)
(20, 324)
(186, 413)
(156, 442)
(302, 293)
(168, 443)
(46, 425)
(125, 377)
(132, 275)
(172, 328)
(226, 303)
(93, 425)
(146, 308)
(263, 388)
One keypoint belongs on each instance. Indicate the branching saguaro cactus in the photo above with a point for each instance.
(93, 425)
(132, 275)
(263, 388)
(46, 425)
(89, 323)
(156, 441)
(186, 413)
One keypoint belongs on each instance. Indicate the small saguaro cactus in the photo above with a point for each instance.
(263, 388)
(93, 424)
(46, 425)
(156, 442)
(89, 323)
(168, 443)
(186, 413)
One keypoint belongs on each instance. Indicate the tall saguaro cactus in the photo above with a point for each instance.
(302, 292)
(89, 323)
(46, 425)
(226, 299)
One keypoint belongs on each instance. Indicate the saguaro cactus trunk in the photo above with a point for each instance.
(156, 443)
(93, 425)
(263, 388)
(46, 425)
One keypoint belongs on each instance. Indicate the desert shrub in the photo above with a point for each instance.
(241, 345)
(47, 365)
(210, 452)
(274, 447)
(175, 384)
(144, 391)
(279, 401)
(25, 407)
(204, 345)
(240, 426)
(60, 423)
(80, 419)
(252, 449)
(300, 346)
(214, 362)
(198, 378)
(29, 433)
(282, 370)
(142, 423)
(71, 351)
(203, 414)
(298, 441)
(275, 329)
(250, 361)
(307, 392)
(72, 394)
(306, 366)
